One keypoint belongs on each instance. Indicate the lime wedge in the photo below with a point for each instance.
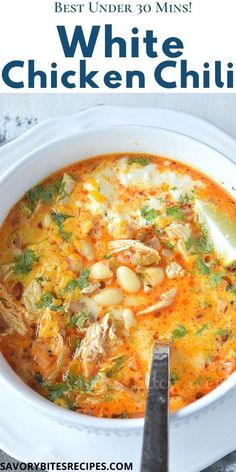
(220, 229)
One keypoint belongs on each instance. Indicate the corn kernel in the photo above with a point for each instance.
(91, 184)
(98, 196)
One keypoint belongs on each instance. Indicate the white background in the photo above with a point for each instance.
(17, 112)
(28, 31)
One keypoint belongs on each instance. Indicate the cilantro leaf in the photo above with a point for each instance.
(71, 383)
(78, 320)
(224, 333)
(118, 363)
(56, 391)
(46, 301)
(23, 264)
(34, 195)
(202, 267)
(216, 278)
(142, 161)
(202, 329)
(184, 199)
(83, 278)
(189, 243)
(176, 212)
(59, 219)
(203, 245)
(173, 378)
(79, 382)
(149, 214)
(80, 283)
(47, 193)
(179, 332)
(169, 245)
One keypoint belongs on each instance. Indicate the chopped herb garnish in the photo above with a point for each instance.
(216, 278)
(78, 320)
(202, 267)
(56, 391)
(71, 383)
(40, 279)
(83, 278)
(197, 382)
(109, 397)
(179, 332)
(189, 243)
(149, 214)
(204, 304)
(108, 256)
(59, 219)
(118, 363)
(142, 161)
(34, 196)
(169, 245)
(202, 329)
(23, 264)
(176, 212)
(173, 378)
(72, 285)
(47, 301)
(224, 333)
(184, 199)
(47, 193)
(80, 283)
(79, 382)
(203, 245)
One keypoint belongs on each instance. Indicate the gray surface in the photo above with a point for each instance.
(21, 111)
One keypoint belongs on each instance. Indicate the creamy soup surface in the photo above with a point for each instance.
(101, 260)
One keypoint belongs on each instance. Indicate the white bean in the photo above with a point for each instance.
(128, 279)
(86, 250)
(154, 276)
(101, 271)
(108, 297)
(75, 262)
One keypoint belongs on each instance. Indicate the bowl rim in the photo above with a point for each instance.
(208, 401)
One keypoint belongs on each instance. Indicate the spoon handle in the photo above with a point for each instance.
(155, 441)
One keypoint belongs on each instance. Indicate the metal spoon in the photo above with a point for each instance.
(155, 441)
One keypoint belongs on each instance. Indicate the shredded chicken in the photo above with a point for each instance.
(31, 296)
(178, 231)
(11, 313)
(91, 288)
(6, 271)
(174, 270)
(92, 345)
(144, 255)
(165, 300)
(182, 249)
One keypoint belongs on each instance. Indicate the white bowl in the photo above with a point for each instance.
(36, 165)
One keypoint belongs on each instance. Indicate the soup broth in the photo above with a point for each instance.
(100, 261)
